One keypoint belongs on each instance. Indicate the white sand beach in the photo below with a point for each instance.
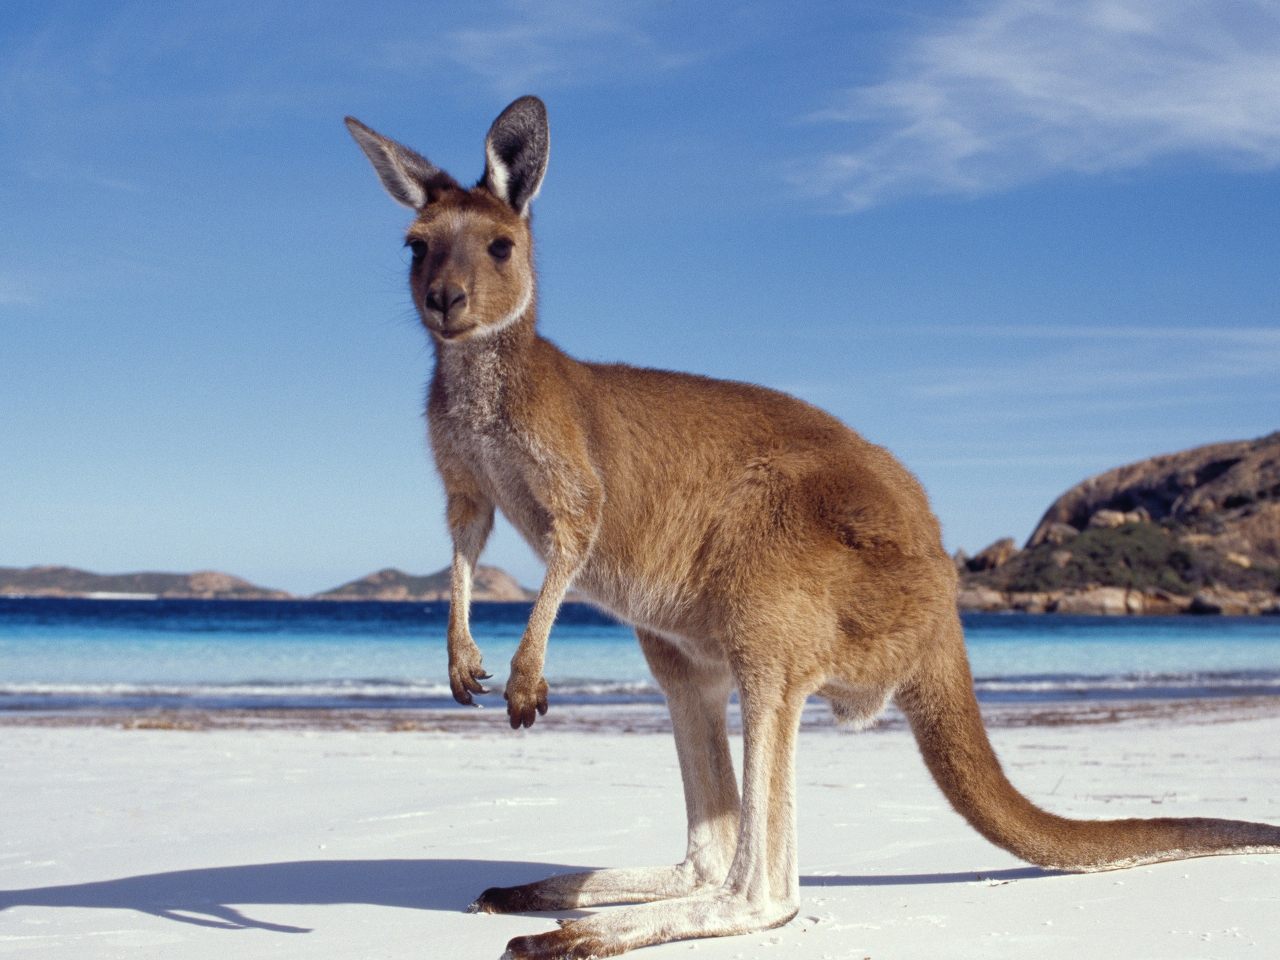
(280, 841)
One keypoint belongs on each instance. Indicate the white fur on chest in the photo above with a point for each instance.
(473, 382)
(477, 430)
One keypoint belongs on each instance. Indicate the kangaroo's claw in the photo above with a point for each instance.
(465, 674)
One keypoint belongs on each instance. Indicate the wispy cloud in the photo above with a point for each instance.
(15, 294)
(72, 84)
(1004, 462)
(1107, 367)
(59, 171)
(237, 63)
(1023, 89)
(523, 45)
(1260, 336)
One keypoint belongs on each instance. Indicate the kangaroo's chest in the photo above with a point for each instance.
(472, 430)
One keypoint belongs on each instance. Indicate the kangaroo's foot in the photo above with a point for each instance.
(574, 890)
(612, 932)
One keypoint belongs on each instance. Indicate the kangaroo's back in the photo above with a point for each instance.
(718, 491)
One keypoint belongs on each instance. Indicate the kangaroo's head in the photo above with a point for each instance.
(472, 273)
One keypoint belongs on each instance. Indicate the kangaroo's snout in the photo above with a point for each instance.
(446, 299)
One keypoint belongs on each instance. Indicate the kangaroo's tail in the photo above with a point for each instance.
(940, 704)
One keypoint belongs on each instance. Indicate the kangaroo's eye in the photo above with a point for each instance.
(500, 249)
(419, 248)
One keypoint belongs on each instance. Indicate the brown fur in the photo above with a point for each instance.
(755, 542)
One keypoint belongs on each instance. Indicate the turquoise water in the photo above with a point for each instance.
(72, 654)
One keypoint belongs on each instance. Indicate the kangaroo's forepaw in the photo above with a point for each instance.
(562, 944)
(525, 698)
(465, 674)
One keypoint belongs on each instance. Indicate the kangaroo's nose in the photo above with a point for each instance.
(445, 298)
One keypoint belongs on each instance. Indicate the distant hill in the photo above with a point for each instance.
(1195, 530)
(70, 582)
(489, 584)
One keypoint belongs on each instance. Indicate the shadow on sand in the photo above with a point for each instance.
(203, 897)
(917, 879)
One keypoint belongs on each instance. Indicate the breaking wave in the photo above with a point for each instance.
(425, 694)
(311, 695)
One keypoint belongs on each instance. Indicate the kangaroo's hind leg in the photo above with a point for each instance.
(762, 889)
(697, 696)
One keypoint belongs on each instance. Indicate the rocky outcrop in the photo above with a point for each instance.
(70, 582)
(488, 584)
(1190, 532)
(1227, 495)
(993, 557)
(1117, 601)
(1058, 533)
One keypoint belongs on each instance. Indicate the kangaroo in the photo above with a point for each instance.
(755, 543)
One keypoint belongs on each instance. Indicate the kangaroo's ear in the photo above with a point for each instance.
(409, 177)
(516, 153)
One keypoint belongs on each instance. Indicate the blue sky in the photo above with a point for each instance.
(1017, 243)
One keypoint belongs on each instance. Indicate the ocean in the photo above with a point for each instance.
(76, 655)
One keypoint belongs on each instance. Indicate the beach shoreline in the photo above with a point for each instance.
(643, 718)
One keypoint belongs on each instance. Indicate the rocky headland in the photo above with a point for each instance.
(1190, 532)
(489, 584)
(70, 582)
